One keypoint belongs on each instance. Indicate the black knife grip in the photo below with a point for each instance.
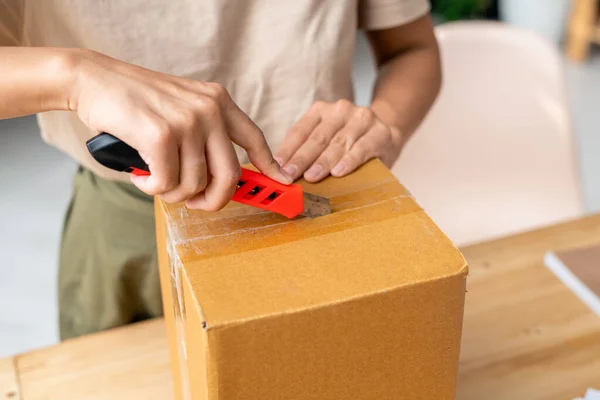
(115, 154)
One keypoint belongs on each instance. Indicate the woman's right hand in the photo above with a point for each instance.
(182, 128)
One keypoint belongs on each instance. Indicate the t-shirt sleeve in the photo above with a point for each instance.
(383, 14)
(11, 22)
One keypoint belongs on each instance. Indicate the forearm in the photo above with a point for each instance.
(406, 87)
(34, 80)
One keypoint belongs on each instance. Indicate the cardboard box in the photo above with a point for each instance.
(362, 304)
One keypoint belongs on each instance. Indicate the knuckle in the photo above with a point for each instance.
(342, 140)
(184, 191)
(231, 180)
(189, 190)
(365, 115)
(218, 92)
(164, 186)
(343, 105)
(230, 176)
(342, 110)
(171, 198)
(208, 107)
(217, 203)
(319, 139)
(297, 159)
(187, 119)
(186, 194)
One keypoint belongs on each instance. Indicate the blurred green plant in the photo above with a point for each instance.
(453, 10)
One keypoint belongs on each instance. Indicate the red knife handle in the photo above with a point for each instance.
(254, 189)
(259, 191)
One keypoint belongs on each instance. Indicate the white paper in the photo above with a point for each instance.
(591, 394)
(585, 294)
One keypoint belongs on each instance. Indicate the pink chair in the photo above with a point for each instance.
(495, 156)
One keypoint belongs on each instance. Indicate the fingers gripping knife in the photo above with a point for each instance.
(253, 188)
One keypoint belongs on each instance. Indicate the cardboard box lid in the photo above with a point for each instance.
(244, 263)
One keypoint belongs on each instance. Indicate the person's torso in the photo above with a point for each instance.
(275, 57)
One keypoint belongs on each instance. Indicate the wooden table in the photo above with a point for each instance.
(125, 363)
(526, 336)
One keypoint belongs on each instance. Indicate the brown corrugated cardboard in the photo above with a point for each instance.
(362, 304)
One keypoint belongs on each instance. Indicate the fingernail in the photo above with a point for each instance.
(339, 169)
(288, 179)
(279, 161)
(313, 172)
(291, 170)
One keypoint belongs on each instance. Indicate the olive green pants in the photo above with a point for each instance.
(108, 273)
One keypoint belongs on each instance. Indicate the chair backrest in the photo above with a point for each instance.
(495, 156)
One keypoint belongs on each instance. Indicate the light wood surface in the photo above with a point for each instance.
(9, 386)
(125, 363)
(526, 336)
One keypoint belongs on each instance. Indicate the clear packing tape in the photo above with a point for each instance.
(176, 271)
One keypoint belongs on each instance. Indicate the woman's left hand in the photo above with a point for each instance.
(336, 138)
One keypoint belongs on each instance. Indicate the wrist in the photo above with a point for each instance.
(69, 70)
(62, 70)
(76, 65)
(389, 116)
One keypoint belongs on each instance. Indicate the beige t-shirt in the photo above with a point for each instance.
(275, 57)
